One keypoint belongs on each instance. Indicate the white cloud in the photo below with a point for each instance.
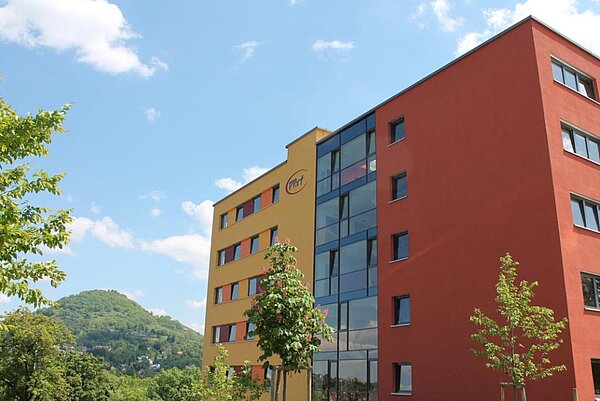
(441, 10)
(196, 304)
(248, 174)
(94, 208)
(158, 312)
(133, 295)
(191, 249)
(4, 299)
(155, 212)
(198, 328)
(321, 45)
(152, 114)
(105, 229)
(202, 212)
(155, 196)
(96, 30)
(247, 49)
(65, 250)
(583, 26)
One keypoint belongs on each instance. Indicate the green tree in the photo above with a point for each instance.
(217, 384)
(175, 385)
(87, 376)
(31, 365)
(130, 388)
(286, 321)
(519, 343)
(25, 229)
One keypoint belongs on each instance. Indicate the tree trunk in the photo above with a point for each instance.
(284, 385)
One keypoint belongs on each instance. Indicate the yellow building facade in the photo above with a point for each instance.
(277, 205)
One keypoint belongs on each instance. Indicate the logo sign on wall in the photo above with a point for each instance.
(296, 182)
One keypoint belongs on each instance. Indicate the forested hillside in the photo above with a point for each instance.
(108, 324)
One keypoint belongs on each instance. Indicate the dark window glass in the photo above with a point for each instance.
(326, 234)
(584, 145)
(402, 310)
(324, 166)
(577, 208)
(591, 290)
(353, 151)
(353, 281)
(596, 377)
(403, 378)
(332, 315)
(256, 204)
(570, 79)
(328, 212)
(224, 220)
(216, 334)
(237, 251)
(399, 186)
(235, 291)
(253, 284)
(343, 207)
(372, 277)
(254, 244)
(400, 246)
(353, 377)
(370, 142)
(334, 262)
(372, 252)
(275, 197)
(232, 332)
(324, 186)
(219, 295)
(585, 86)
(397, 130)
(363, 198)
(362, 313)
(335, 161)
(322, 261)
(557, 72)
(221, 258)
(274, 236)
(567, 140)
(322, 288)
(249, 329)
(363, 222)
(353, 257)
(239, 213)
(344, 316)
(373, 387)
(591, 216)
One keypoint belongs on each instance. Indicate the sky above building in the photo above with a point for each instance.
(178, 103)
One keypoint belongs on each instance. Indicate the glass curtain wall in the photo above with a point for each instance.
(346, 264)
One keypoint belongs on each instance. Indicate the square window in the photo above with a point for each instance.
(591, 290)
(403, 380)
(402, 310)
(399, 189)
(239, 213)
(219, 295)
(274, 236)
(237, 251)
(221, 257)
(400, 246)
(235, 291)
(256, 204)
(224, 220)
(397, 130)
(275, 196)
(254, 244)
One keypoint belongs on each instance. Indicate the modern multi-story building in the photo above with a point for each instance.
(415, 201)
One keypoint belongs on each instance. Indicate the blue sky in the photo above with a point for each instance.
(177, 103)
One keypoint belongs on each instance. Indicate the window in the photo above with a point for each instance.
(256, 204)
(235, 291)
(399, 186)
(397, 130)
(402, 310)
(274, 236)
(275, 196)
(403, 383)
(219, 295)
(253, 283)
(400, 246)
(585, 213)
(582, 144)
(224, 220)
(232, 332)
(221, 257)
(596, 377)
(216, 334)
(237, 251)
(573, 79)
(254, 244)
(249, 328)
(239, 213)
(591, 290)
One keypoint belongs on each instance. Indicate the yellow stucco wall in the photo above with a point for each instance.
(294, 217)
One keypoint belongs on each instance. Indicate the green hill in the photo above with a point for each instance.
(108, 324)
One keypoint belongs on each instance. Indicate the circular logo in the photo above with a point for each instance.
(296, 182)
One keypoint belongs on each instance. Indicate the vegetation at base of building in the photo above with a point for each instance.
(285, 319)
(519, 343)
(27, 229)
(129, 338)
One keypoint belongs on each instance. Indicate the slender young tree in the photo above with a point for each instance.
(26, 229)
(519, 343)
(286, 320)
